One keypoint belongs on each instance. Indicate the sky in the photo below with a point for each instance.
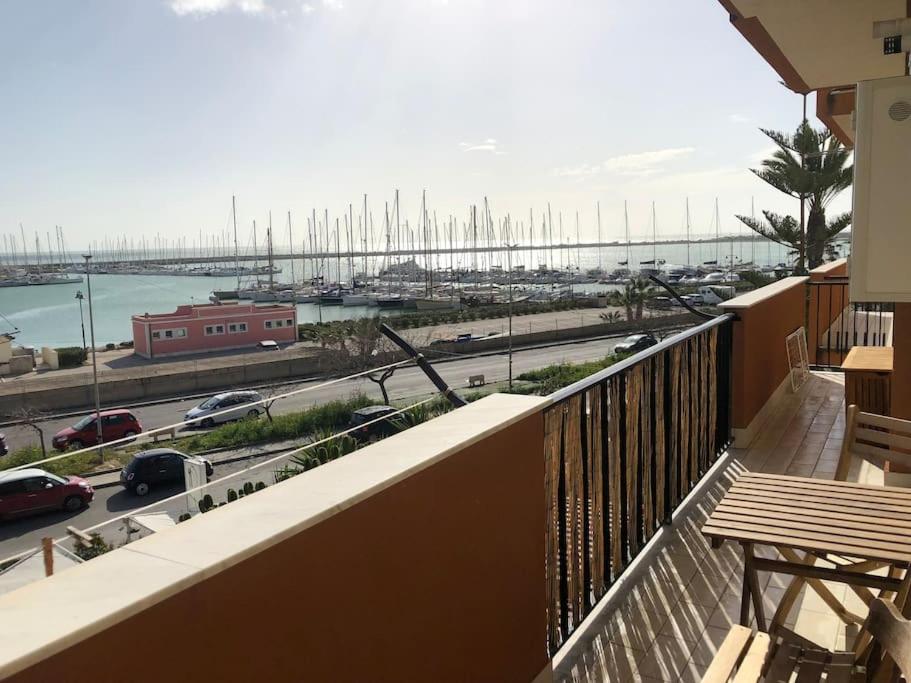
(143, 118)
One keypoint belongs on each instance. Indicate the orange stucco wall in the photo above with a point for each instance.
(760, 359)
(438, 578)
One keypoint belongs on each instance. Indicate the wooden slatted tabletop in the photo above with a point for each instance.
(816, 515)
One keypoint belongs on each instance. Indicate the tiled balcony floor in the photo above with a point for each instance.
(667, 623)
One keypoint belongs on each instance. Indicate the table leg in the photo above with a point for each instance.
(751, 578)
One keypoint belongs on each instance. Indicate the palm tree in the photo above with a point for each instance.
(633, 297)
(809, 165)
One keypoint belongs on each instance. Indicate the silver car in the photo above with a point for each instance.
(232, 405)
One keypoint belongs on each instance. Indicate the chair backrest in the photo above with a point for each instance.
(891, 635)
(875, 438)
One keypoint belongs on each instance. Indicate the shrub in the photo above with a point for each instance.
(232, 495)
(98, 546)
(248, 488)
(70, 356)
(259, 486)
(110, 346)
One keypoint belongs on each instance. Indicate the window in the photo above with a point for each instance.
(112, 419)
(35, 484)
(214, 329)
(236, 328)
(175, 333)
(12, 487)
(289, 323)
(275, 324)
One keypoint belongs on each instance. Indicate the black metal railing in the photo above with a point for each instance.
(622, 449)
(835, 324)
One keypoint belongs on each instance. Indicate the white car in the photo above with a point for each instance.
(233, 405)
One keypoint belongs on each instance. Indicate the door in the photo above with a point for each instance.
(112, 427)
(175, 467)
(89, 434)
(163, 468)
(40, 494)
(12, 497)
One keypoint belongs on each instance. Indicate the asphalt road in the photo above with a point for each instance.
(406, 382)
(24, 533)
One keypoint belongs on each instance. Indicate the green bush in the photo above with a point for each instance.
(98, 546)
(248, 488)
(549, 379)
(259, 486)
(70, 356)
(232, 495)
(331, 415)
(75, 464)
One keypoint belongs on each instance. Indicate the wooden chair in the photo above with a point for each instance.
(745, 657)
(876, 439)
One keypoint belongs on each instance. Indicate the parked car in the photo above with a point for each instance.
(635, 343)
(115, 424)
(4, 449)
(380, 428)
(235, 404)
(33, 490)
(155, 467)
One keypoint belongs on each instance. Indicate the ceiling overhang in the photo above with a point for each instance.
(825, 46)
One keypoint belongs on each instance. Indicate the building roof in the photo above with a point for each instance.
(201, 311)
(825, 46)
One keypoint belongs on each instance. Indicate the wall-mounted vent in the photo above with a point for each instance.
(900, 110)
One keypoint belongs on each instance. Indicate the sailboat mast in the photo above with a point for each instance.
(600, 247)
(269, 247)
(687, 231)
(236, 256)
(291, 247)
(626, 224)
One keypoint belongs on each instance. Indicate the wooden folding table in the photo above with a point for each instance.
(857, 527)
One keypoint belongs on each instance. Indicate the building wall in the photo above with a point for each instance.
(435, 572)
(766, 316)
(194, 322)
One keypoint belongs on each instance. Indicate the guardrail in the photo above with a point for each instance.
(836, 324)
(622, 449)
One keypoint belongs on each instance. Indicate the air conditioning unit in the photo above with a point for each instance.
(881, 230)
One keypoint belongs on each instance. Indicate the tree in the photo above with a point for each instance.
(33, 418)
(811, 166)
(358, 346)
(633, 296)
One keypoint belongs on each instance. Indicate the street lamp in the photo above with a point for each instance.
(81, 319)
(88, 281)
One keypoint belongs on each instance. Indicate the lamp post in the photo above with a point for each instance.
(88, 281)
(81, 319)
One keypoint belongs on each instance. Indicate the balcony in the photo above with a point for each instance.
(516, 539)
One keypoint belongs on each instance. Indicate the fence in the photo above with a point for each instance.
(835, 324)
(622, 449)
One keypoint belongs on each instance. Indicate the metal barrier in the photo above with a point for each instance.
(835, 324)
(622, 449)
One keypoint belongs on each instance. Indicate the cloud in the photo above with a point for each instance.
(645, 163)
(206, 7)
(489, 145)
(639, 165)
(738, 118)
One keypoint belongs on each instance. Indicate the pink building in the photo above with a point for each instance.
(212, 327)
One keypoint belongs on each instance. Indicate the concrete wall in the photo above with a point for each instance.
(760, 363)
(568, 333)
(74, 391)
(420, 558)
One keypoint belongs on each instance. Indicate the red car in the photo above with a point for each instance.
(115, 424)
(34, 490)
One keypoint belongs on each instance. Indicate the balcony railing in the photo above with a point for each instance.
(622, 449)
(836, 324)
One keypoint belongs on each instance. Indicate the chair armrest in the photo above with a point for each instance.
(728, 655)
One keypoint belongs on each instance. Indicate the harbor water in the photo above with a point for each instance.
(49, 315)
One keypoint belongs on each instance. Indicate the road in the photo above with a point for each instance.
(25, 533)
(406, 382)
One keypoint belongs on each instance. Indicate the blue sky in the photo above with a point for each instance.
(144, 117)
